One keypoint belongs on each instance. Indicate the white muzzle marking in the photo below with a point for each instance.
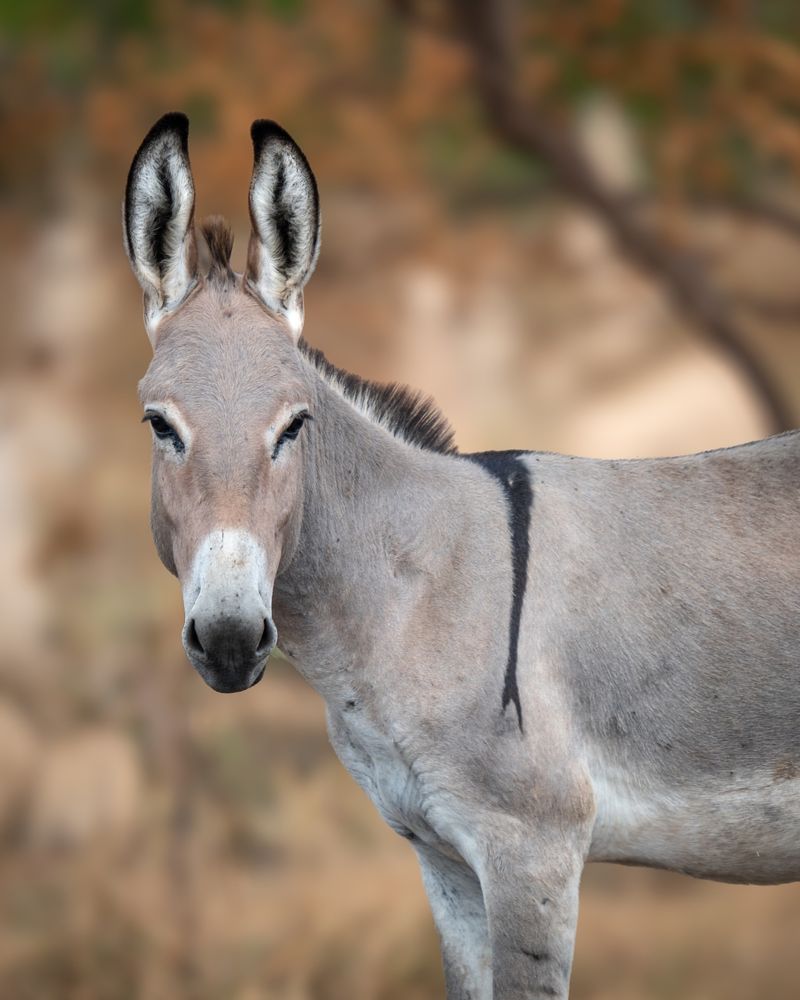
(229, 571)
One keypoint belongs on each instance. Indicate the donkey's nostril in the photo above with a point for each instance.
(267, 640)
(192, 638)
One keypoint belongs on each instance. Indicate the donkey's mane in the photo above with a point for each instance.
(407, 414)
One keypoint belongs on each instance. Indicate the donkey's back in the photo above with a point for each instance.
(674, 623)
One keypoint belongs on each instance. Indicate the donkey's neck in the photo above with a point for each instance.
(388, 543)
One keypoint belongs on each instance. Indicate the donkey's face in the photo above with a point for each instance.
(227, 395)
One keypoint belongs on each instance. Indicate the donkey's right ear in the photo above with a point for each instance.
(158, 219)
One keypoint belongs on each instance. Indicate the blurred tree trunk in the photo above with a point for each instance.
(489, 27)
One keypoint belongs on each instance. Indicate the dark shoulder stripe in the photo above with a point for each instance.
(511, 472)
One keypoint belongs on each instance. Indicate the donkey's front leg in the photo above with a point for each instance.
(454, 893)
(531, 899)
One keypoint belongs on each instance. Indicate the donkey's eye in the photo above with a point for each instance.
(160, 426)
(163, 430)
(291, 431)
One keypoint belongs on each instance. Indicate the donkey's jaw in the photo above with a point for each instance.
(229, 633)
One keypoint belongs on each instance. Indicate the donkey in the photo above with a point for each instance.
(529, 661)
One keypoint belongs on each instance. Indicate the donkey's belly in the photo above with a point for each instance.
(748, 831)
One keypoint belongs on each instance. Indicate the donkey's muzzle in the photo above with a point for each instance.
(229, 632)
(229, 653)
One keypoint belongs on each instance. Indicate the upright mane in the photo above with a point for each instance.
(409, 415)
(219, 240)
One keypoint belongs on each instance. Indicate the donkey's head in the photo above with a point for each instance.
(226, 393)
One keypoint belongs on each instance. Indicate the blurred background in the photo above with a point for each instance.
(577, 225)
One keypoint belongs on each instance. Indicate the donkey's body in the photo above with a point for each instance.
(658, 657)
(529, 661)
(657, 670)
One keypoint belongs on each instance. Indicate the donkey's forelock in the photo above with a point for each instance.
(219, 240)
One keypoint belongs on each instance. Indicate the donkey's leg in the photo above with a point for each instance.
(456, 901)
(532, 905)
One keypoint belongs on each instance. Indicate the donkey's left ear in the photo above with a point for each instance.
(158, 219)
(284, 211)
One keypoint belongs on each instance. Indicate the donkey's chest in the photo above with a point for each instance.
(391, 774)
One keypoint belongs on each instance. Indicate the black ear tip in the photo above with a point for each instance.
(264, 129)
(176, 120)
(172, 121)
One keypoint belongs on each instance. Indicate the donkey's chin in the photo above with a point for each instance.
(225, 680)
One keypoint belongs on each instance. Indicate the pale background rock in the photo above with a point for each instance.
(89, 789)
(19, 753)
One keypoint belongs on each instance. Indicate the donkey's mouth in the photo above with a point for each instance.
(229, 681)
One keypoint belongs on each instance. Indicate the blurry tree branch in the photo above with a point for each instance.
(777, 216)
(771, 214)
(488, 29)
(770, 310)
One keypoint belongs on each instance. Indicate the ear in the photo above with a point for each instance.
(284, 212)
(158, 219)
